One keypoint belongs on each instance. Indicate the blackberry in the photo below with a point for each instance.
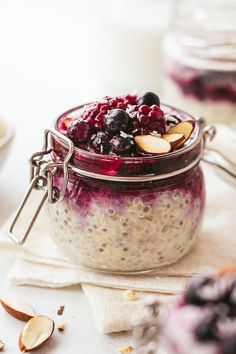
(99, 143)
(121, 145)
(149, 99)
(79, 131)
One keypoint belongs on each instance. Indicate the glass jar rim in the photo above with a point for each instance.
(153, 166)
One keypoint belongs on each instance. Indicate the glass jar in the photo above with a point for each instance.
(128, 214)
(200, 59)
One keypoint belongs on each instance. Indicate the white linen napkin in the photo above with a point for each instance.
(40, 264)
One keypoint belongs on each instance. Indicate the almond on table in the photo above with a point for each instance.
(2, 345)
(35, 333)
(61, 326)
(17, 308)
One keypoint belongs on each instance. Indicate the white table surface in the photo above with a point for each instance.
(47, 65)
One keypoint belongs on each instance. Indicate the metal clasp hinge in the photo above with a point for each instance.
(42, 172)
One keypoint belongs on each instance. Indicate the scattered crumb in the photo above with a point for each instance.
(2, 345)
(126, 350)
(61, 310)
(61, 326)
(130, 295)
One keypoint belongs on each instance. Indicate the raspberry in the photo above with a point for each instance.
(96, 112)
(147, 119)
(144, 109)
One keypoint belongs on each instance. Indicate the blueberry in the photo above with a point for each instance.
(195, 294)
(99, 143)
(149, 99)
(121, 145)
(117, 120)
(229, 345)
(207, 328)
(79, 131)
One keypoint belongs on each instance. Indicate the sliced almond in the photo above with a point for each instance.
(185, 128)
(2, 345)
(174, 139)
(35, 333)
(61, 326)
(152, 144)
(17, 308)
(60, 311)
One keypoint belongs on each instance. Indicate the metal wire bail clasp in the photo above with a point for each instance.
(42, 172)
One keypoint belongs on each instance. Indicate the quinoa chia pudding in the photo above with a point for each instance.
(135, 195)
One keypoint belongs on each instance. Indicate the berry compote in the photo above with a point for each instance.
(135, 196)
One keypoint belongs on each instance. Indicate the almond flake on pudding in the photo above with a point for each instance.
(185, 128)
(152, 144)
(174, 139)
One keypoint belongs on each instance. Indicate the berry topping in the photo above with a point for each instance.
(111, 125)
(117, 120)
(99, 143)
(149, 99)
(207, 329)
(121, 145)
(79, 131)
(95, 112)
(147, 119)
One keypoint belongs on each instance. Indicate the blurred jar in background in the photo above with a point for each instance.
(200, 59)
(129, 44)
